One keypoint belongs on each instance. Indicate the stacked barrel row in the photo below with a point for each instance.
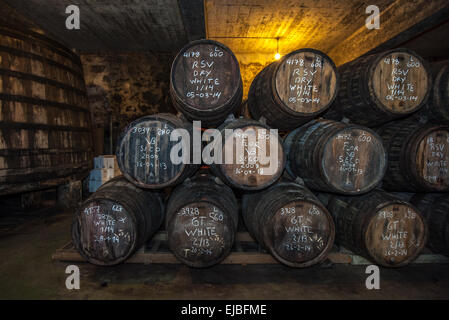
(313, 161)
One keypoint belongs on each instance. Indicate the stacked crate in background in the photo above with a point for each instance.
(105, 168)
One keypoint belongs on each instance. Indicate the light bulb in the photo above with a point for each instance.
(277, 56)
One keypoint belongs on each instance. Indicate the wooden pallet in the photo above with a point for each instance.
(245, 251)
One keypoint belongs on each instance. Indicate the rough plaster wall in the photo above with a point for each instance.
(127, 87)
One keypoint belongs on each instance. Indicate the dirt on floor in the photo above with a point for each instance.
(28, 272)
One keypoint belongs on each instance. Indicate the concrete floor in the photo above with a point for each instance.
(27, 272)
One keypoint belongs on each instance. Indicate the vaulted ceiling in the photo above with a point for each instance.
(246, 26)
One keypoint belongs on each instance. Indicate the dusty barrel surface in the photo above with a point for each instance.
(290, 222)
(418, 156)
(144, 148)
(336, 157)
(380, 227)
(205, 82)
(116, 221)
(378, 88)
(45, 133)
(252, 156)
(437, 108)
(292, 91)
(435, 209)
(201, 222)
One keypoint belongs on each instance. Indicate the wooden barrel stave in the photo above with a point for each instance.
(116, 221)
(269, 96)
(202, 217)
(379, 226)
(45, 134)
(213, 101)
(143, 152)
(365, 83)
(274, 217)
(435, 209)
(247, 176)
(413, 158)
(335, 157)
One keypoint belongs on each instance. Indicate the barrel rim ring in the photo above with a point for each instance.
(80, 249)
(373, 184)
(317, 259)
(275, 89)
(276, 177)
(175, 94)
(414, 142)
(167, 117)
(225, 252)
(370, 89)
(369, 219)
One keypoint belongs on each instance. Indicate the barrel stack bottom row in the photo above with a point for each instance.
(361, 158)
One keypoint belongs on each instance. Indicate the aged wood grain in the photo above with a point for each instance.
(418, 156)
(379, 226)
(201, 221)
(143, 152)
(45, 136)
(336, 157)
(378, 88)
(257, 156)
(115, 221)
(294, 90)
(290, 222)
(205, 82)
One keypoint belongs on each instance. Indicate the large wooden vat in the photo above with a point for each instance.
(45, 133)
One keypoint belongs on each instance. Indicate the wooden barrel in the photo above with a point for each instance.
(115, 221)
(436, 109)
(378, 88)
(252, 156)
(202, 217)
(143, 152)
(205, 82)
(45, 133)
(418, 156)
(294, 90)
(290, 223)
(380, 227)
(435, 209)
(336, 157)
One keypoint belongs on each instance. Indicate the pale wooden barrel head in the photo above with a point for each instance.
(143, 153)
(306, 81)
(354, 160)
(395, 235)
(257, 157)
(205, 75)
(432, 159)
(301, 233)
(106, 232)
(200, 234)
(399, 81)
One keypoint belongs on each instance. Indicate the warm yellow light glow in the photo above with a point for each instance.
(277, 56)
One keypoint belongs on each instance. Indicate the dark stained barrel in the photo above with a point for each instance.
(380, 227)
(437, 108)
(45, 132)
(418, 156)
(144, 148)
(378, 88)
(435, 209)
(336, 157)
(252, 155)
(116, 221)
(290, 223)
(202, 217)
(294, 90)
(205, 82)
